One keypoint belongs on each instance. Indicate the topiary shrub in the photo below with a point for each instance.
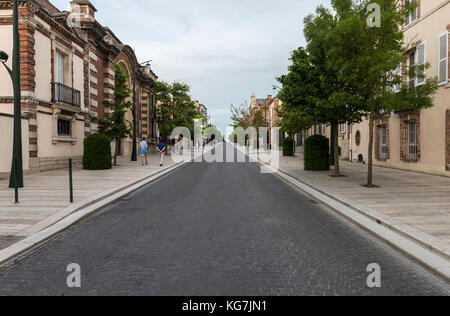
(288, 147)
(317, 153)
(97, 152)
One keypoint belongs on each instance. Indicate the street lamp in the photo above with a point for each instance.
(16, 178)
(134, 151)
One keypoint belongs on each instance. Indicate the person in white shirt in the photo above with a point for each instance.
(143, 149)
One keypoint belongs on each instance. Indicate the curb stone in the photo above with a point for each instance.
(419, 250)
(77, 212)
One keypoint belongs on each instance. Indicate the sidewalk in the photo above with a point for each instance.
(45, 198)
(415, 205)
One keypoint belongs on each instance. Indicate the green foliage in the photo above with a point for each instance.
(288, 147)
(317, 153)
(241, 116)
(347, 71)
(97, 152)
(114, 125)
(367, 57)
(176, 107)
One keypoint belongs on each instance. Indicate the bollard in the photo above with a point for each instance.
(70, 180)
(16, 181)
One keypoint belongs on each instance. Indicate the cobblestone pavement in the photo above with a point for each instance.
(216, 229)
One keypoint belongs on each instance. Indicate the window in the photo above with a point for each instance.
(443, 58)
(411, 141)
(383, 143)
(324, 130)
(63, 128)
(342, 128)
(358, 138)
(412, 17)
(420, 60)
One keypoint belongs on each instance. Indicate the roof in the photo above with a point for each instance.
(263, 101)
(47, 6)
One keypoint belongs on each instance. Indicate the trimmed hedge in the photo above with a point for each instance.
(97, 152)
(317, 153)
(288, 147)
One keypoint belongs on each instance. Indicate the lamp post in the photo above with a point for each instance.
(134, 151)
(16, 178)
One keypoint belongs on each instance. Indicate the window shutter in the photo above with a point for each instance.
(443, 58)
(59, 68)
(412, 62)
(414, 13)
(421, 61)
(398, 73)
(407, 15)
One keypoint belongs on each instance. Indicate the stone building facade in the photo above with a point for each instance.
(67, 71)
(419, 140)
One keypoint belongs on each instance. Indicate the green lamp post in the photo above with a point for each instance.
(16, 179)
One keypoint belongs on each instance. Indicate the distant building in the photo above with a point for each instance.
(204, 110)
(262, 105)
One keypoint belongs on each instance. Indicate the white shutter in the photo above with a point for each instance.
(398, 73)
(443, 58)
(407, 16)
(421, 61)
(59, 67)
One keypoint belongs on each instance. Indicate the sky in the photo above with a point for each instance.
(225, 49)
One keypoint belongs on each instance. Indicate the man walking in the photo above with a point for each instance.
(161, 147)
(143, 149)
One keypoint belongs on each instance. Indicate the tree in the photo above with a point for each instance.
(115, 125)
(177, 108)
(241, 116)
(334, 101)
(366, 58)
(245, 117)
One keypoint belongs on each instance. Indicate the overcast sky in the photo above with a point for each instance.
(225, 49)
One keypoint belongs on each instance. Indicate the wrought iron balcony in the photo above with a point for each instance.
(63, 94)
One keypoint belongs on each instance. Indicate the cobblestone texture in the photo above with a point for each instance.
(217, 229)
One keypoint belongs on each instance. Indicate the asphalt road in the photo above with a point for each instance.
(216, 229)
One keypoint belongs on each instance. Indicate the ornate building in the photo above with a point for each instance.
(67, 71)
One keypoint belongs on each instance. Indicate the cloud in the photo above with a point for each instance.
(226, 49)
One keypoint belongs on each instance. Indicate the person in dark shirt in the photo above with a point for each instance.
(161, 147)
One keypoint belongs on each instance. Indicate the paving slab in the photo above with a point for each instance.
(417, 204)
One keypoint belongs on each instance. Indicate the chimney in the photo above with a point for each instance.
(253, 97)
(269, 97)
(84, 9)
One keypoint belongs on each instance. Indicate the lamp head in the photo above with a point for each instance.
(3, 57)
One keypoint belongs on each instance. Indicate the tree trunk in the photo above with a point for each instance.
(370, 158)
(337, 169)
(117, 151)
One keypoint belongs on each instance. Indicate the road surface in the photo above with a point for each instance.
(216, 229)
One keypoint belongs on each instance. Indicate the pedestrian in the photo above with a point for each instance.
(161, 147)
(143, 148)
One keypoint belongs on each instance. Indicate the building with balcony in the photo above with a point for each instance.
(67, 71)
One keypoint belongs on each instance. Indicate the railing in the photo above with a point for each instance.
(66, 95)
